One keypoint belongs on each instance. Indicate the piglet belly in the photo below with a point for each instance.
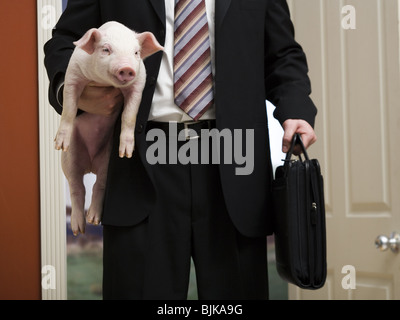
(95, 132)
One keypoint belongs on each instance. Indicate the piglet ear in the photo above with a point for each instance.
(88, 41)
(149, 44)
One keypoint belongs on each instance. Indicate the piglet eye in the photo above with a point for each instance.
(106, 49)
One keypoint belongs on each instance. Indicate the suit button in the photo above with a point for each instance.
(162, 34)
(139, 128)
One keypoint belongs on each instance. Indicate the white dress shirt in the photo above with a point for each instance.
(163, 107)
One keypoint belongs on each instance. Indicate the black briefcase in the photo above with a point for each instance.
(299, 221)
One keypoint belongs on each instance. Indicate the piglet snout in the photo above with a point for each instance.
(125, 74)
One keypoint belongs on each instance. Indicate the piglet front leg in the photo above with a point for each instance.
(133, 97)
(72, 92)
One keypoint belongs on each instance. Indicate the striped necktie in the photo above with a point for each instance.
(193, 90)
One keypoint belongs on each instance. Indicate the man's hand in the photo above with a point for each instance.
(99, 99)
(292, 126)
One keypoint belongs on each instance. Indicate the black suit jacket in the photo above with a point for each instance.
(256, 59)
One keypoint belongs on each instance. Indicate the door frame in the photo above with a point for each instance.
(52, 182)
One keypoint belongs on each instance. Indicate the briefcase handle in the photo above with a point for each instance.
(296, 140)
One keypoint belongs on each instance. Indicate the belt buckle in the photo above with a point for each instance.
(186, 128)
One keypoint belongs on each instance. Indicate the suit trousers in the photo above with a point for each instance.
(151, 260)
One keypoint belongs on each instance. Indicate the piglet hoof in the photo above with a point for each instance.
(93, 216)
(126, 145)
(77, 223)
(62, 139)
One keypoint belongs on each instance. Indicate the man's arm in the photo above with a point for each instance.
(286, 76)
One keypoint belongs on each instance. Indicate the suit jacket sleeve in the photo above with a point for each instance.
(286, 81)
(78, 17)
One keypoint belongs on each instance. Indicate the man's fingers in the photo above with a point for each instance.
(308, 139)
(301, 127)
(102, 100)
(287, 139)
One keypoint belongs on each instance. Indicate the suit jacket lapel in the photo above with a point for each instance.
(221, 7)
(159, 8)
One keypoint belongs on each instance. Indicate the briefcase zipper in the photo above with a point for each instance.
(303, 264)
(312, 219)
(315, 222)
(313, 215)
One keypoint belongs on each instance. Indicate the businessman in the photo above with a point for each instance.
(158, 216)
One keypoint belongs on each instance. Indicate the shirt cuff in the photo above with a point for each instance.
(59, 93)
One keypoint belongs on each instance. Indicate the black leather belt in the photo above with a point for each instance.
(196, 126)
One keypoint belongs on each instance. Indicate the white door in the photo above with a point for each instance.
(354, 68)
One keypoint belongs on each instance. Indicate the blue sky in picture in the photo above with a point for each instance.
(64, 4)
